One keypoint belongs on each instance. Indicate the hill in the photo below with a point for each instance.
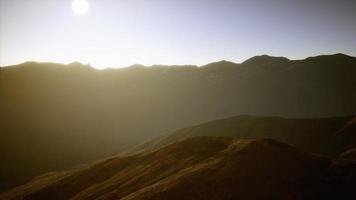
(201, 168)
(328, 136)
(54, 116)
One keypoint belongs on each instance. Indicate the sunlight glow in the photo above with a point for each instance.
(80, 7)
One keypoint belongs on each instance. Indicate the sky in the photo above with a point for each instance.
(117, 33)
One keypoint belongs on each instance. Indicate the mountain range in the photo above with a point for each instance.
(55, 116)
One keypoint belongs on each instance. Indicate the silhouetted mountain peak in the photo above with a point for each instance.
(29, 63)
(334, 57)
(341, 55)
(77, 64)
(222, 63)
(264, 59)
(34, 63)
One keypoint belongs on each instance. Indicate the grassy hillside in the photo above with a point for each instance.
(321, 135)
(201, 168)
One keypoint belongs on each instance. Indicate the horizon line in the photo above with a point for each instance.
(170, 65)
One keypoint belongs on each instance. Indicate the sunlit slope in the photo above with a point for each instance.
(54, 116)
(201, 168)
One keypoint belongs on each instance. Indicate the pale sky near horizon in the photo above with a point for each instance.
(117, 33)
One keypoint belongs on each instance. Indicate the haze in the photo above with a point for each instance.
(121, 33)
(203, 99)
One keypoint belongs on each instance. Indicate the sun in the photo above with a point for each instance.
(80, 7)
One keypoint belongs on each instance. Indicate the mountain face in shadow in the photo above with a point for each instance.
(327, 136)
(201, 168)
(54, 116)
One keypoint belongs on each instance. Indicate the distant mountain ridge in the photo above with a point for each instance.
(259, 59)
(328, 136)
(54, 116)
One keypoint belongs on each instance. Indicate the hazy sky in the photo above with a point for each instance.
(123, 32)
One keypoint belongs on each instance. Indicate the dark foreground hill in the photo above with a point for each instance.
(202, 168)
(54, 116)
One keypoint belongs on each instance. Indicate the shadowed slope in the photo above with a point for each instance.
(199, 168)
(129, 173)
(323, 135)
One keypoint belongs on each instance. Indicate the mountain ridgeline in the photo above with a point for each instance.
(327, 136)
(54, 116)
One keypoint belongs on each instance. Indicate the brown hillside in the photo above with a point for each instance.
(321, 135)
(200, 168)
